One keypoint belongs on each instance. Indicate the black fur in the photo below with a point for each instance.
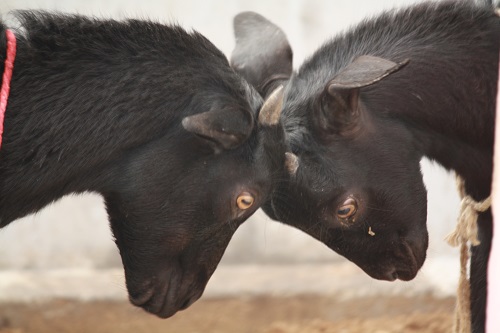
(105, 106)
(366, 143)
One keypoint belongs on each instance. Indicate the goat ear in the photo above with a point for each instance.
(339, 104)
(262, 54)
(221, 128)
(364, 71)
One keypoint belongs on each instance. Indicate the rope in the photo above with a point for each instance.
(465, 234)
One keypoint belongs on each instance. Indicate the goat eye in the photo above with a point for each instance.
(348, 209)
(245, 200)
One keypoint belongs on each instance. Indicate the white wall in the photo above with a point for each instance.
(74, 232)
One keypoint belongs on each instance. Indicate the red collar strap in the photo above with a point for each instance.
(7, 75)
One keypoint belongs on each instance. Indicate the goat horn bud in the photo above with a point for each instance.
(270, 112)
(291, 163)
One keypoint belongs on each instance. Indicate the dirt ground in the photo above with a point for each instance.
(301, 314)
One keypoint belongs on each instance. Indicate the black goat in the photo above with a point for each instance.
(362, 112)
(153, 119)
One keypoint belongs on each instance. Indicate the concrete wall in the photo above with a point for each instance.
(74, 232)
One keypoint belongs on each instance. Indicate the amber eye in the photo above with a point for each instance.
(245, 200)
(348, 209)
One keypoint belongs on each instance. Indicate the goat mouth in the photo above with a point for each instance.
(406, 275)
(166, 298)
(160, 306)
(392, 273)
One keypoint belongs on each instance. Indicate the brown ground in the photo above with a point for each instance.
(305, 314)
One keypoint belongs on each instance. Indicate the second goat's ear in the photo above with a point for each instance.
(339, 108)
(262, 54)
(364, 71)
